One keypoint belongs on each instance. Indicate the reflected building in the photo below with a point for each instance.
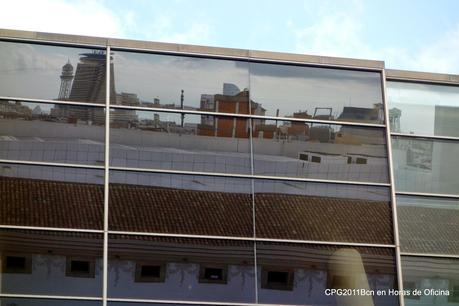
(231, 180)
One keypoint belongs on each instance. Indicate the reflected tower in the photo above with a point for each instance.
(66, 81)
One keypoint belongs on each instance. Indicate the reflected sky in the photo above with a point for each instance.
(419, 105)
(33, 71)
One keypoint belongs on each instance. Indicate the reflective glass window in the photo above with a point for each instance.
(428, 225)
(436, 278)
(426, 165)
(52, 132)
(324, 212)
(46, 255)
(175, 141)
(182, 260)
(52, 72)
(322, 151)
(423, 109)
(184, 204)
(51, 196)
(315, 268)
(319, 93)
(181, 82)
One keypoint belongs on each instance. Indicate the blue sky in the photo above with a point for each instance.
(414, 35)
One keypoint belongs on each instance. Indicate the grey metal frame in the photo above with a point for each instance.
(219, 53)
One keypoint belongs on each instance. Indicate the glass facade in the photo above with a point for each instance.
(423, 119)
(135, 177)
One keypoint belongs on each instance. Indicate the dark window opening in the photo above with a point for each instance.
(213, 274)
(277, 279)
(349, 160)
(315, 159)
(16, 264)
(304, 157)
(148, 272)
(80, 268)
(361, 161)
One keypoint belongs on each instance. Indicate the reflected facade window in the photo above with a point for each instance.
(423, 109)
(54, 73)
(316, 93)
(181, 82)
(323, 151)
(203, 143)
(425, 165)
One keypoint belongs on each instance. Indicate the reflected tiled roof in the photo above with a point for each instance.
(168, 210)
(429, 230)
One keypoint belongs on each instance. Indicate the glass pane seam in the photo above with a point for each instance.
(52, 164)
(429, 255)
(247, 116)
(426, 194)
(398, 260)
(77, 103)
(403, 135)
(56, 229)
(57, 297)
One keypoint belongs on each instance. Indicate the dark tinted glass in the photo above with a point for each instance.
(181, 82)
(314, 268)
(47, 255)
(51, 132)
(326, 212)
(428, 225)
(168, 203)
(51, 196)
(182, 259)
(319, 93)
(51, 72)
(426, 165)
(324, 151)
(179, 141)
(434, 277)
(11, 301)
(423, 109)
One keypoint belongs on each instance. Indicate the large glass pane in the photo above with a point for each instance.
(51, 263)
(51, 196)
(428, 225)
(323, 151)
(52, 72)
(435, 278)
(179, 141)
(14, 301)
(426, 165)
(51, 132)
(181, 269)
(181, 82)
(299, 274)
(323, 212)
(423, 109)
(319, 93)
(185, 204)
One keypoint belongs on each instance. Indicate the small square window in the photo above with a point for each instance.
(277, 279)
(216, 274)
(304, 156)
(80, 267)
(316, 159)
(147, 272)
(361, 161)
(15, 263)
